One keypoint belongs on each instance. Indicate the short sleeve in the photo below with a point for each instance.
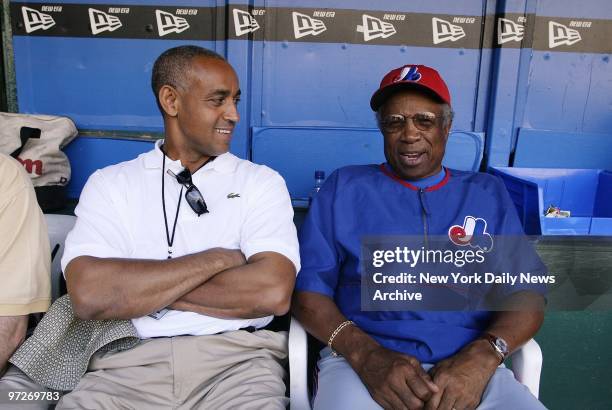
(25, 257)
(268, 225)
(100, 228)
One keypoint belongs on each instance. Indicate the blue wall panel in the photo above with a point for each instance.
(555, 149)
(311, 100)
(331, 84)
(89, 154)
(314, 85)
(507, 70)
(103, 84)
(569, 92)
(550, 87)
(100, 83)
(563, 105)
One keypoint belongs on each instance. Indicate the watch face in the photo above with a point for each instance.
(501, 345)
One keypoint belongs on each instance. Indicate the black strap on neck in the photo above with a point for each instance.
(169, 239)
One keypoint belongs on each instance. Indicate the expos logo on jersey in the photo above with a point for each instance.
(473, 233)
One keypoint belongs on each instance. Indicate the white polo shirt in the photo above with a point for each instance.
(120, 215)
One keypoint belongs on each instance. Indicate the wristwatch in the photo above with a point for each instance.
(499, 344)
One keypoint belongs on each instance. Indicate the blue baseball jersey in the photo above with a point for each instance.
(360, 201)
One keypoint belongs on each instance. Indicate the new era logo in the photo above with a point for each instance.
(168, 23)
(375, 28)
(244, 22)
(445, 31)
(35, 20)
(101, 21)
(304, 25)
(559, 35)
(508, 30)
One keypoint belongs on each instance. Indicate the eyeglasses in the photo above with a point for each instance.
(192, 195)
(424, 121)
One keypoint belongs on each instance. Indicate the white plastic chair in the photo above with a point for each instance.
(58, 227)
(526, 365)
(298, 367)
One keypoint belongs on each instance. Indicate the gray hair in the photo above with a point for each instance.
(171, 67)
(447, 114)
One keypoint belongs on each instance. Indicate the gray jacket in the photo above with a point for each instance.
(58, 352)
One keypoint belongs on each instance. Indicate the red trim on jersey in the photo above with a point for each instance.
(407, 184)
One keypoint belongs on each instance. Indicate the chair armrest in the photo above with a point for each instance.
(298, 366)
(58, 227)
(527, 366)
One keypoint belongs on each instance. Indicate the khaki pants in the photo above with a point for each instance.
(232, 370)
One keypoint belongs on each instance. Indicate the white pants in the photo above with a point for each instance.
(339, 387)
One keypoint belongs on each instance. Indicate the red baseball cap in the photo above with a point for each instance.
(410, 76)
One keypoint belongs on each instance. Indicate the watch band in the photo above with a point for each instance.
(500, 346)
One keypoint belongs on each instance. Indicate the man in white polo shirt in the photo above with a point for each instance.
(196, 246)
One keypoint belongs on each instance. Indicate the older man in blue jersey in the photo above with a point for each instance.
(409, 359)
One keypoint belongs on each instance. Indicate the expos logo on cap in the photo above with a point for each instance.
(415, 76)
(473, 233)
(409, 73)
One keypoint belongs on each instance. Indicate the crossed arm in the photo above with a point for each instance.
(396, 380)
(217, 282)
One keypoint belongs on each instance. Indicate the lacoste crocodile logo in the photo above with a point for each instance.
(233, 195)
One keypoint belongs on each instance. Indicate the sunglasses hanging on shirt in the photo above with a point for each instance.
(192, 195)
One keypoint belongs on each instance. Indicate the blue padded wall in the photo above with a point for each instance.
(314, 109)
(307, 98)
(103, 84)
(89, 154)
(563, 106)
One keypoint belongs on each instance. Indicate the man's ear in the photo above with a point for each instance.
(168, 99)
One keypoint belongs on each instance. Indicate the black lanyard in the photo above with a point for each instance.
(169, 239)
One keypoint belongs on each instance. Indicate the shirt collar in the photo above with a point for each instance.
(224, 163)
(387, 170)
(429, 181)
